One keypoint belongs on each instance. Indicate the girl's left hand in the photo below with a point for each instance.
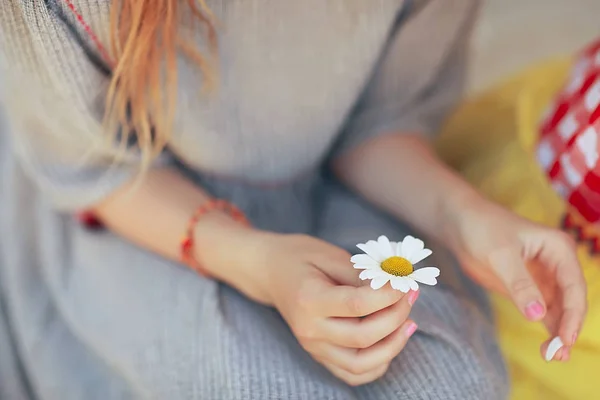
(534, 265)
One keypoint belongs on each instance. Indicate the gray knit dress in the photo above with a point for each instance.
(87, 315)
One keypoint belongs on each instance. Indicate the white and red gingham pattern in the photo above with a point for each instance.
(569, 145)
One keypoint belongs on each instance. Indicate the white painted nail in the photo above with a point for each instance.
(553, 347)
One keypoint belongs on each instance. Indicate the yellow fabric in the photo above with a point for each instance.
(491, 140)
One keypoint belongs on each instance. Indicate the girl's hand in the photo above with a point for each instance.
(353, 330)
(535, 266)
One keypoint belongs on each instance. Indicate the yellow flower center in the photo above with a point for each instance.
(398, 266)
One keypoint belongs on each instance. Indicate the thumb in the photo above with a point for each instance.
(520, 285)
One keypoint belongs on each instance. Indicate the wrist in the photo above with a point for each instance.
(219, 241)
(233, 253)
(454, 211)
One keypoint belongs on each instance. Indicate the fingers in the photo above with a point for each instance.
(563, 354)
(570, 325)
(518, 282)
(354, 379)
(349, 301)
(361, 333)
(359, 362)
(561, 253)
(552, 318)
(337, 266)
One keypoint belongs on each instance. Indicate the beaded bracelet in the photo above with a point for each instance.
(90, 221)
(188, 243)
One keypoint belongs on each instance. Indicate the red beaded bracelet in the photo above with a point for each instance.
(188, 243)
(90, 221)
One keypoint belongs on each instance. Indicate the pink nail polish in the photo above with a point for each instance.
(534, 310)
(574, 339)
(413, 295)
(411, 329)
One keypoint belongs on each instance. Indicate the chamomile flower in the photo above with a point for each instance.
(394, 262)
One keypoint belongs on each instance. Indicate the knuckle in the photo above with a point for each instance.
(358, 379)
(521, 285)
(355, 366)
(354, 380)
(355, 369)
(339, 254)
(575, 298)
(355, 304)
(302, 327)
(312, 348)
(360, 341)
(304, 298)
(380, 372)
(369, 335)
(563, 238)
(305, 331)
(502, 252)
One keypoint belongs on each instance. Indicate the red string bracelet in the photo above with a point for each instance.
(90, 221)
(188, 242)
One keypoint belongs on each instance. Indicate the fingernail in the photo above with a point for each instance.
(411, 329)
(413, 295)
(534, 310)
(574, 339)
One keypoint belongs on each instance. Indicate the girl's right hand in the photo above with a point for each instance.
(353, 330)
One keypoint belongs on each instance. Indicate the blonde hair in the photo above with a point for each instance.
(147, 36)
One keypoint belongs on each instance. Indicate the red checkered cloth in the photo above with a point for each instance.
(569, 145)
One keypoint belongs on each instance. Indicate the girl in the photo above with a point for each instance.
(106, 115)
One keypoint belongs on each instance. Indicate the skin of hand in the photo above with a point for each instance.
(351, 329)
(534, 265)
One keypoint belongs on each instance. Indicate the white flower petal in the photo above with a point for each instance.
(398, 249)
(376, 252)
(553, 347)
(363, 259)
(413, 284)
(363, 266)
(410, 247)
(401, 284)
(385, 247)
(373, 243)
(420, 256)
(379, 282)
(369, 274)
(426, 275)
(371, 249)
